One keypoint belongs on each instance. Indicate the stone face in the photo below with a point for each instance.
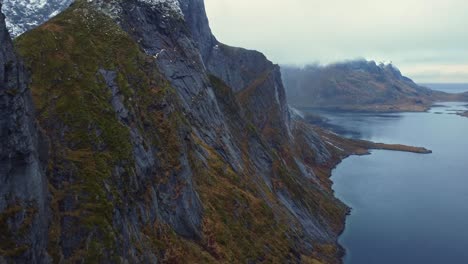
(23, 186)
(247, 72)
(196, 19)
(262, 99)
(168, 39)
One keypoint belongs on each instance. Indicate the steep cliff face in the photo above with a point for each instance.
(258, 87)
(197, 21)
(358, 85)
(260, 96)
(254, 79)
(119, 167)
(23, 187)
(166, 145)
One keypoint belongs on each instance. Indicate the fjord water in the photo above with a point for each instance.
(407, 208)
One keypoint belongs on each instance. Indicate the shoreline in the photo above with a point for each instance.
(342, 148)
(383, 109)
(347, 147)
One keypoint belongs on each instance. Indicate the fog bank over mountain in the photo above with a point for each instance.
(427, 39)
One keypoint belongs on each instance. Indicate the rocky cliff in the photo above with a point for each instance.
(23, 186)
(359, 85)
(164, 145)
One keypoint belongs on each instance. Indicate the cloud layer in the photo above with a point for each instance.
(426, 39)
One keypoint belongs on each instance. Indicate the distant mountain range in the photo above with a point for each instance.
(359, 85)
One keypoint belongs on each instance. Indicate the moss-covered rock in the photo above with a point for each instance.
(153, 159)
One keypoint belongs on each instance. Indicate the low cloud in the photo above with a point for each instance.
(409, 33)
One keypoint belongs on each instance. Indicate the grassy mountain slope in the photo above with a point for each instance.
(107, 110)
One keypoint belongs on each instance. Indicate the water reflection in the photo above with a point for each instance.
(350, 124)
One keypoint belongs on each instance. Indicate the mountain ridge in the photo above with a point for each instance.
(359, 85)
(151, 155)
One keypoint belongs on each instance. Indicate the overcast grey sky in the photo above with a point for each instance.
(426, 39)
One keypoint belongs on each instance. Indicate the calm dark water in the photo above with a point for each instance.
(407, 208)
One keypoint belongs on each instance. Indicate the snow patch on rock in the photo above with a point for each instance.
(23, 15)
(172, 5)
(113, 8)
